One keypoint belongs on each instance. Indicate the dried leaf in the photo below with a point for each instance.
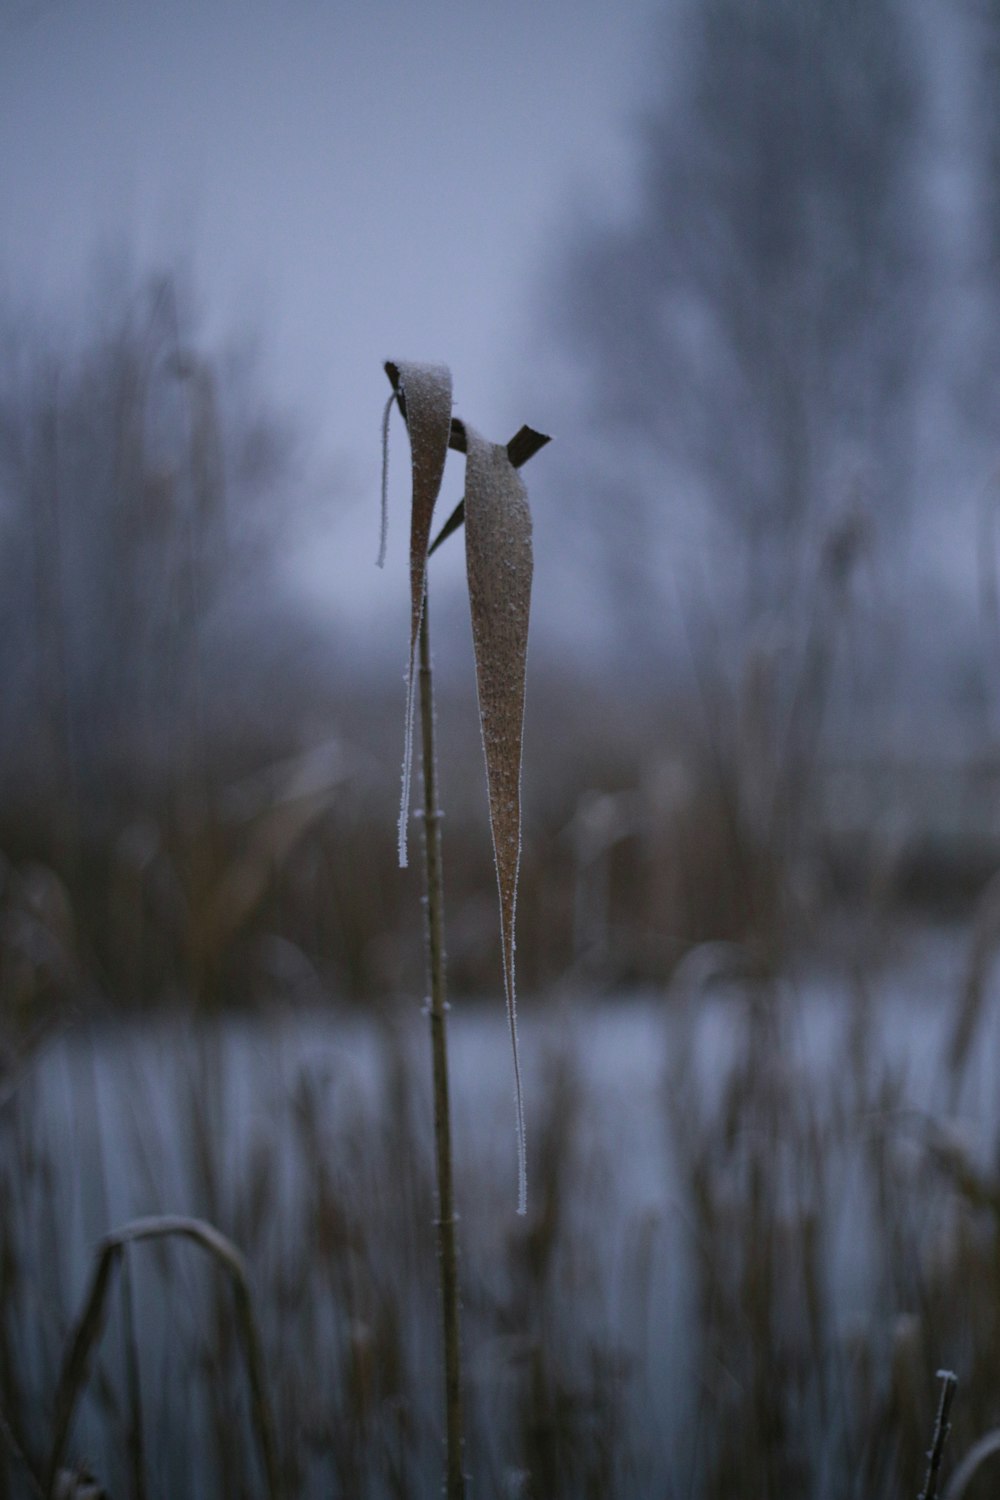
(499, 565)
(424, 393)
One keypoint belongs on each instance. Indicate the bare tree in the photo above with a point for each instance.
(751, 335)
(751, 338)
(144, 489)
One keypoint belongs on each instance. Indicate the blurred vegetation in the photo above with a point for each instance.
(196, 813)
(743, 1280)
(197, 793)
(196, 782)
(167, 732)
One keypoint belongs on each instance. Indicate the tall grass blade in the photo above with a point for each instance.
(424, 394)
(136, 1441)
(942, 1427)
(499, 565)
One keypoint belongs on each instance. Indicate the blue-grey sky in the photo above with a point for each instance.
(354, 181)
(359, 180)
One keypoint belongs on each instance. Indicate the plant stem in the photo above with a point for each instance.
(447, 1248)
(942, 1427)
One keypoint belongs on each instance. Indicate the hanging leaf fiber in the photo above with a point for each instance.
(424, 394)
(499, 565)
(383, 537)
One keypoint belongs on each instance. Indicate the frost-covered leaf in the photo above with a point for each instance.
(424, 394)
(499, 565)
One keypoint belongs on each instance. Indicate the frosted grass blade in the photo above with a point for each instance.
(499, 566)
(424, 394)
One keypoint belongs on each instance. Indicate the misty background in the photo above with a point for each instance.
(740, 260)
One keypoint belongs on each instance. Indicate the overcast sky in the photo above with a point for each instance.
(358, 180)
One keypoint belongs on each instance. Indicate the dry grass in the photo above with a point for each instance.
(86, 1336)
(813, 1236)
(809, 1242)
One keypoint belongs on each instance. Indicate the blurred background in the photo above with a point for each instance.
(741, 258)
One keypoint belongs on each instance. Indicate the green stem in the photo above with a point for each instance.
(447, 1247)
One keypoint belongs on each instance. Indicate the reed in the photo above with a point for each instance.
(87, 1332)
(499, 566)
(675, 1315)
